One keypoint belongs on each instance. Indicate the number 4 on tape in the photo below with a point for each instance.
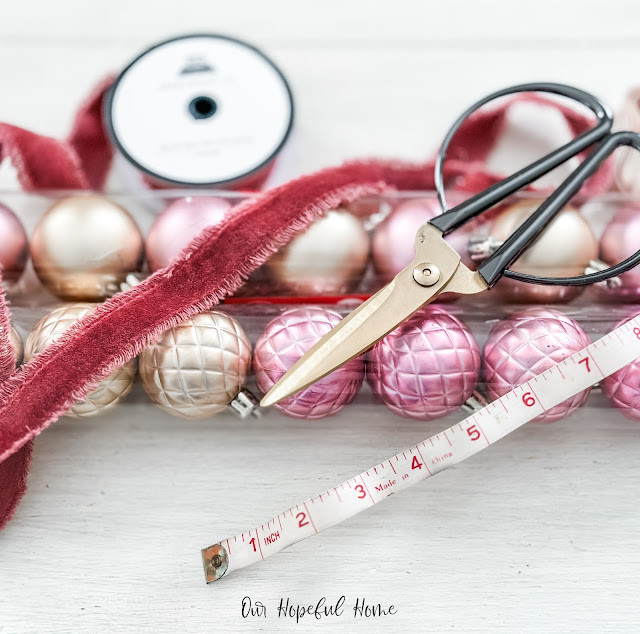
(576, 373)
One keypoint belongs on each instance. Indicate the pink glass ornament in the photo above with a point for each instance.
(180, 222)
(526, 344)
(14, 246)
(284, 340)
(394, 237)
(427, 367)
(620, 239)
(622, 388)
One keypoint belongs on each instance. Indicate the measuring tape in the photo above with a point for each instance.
(576, 373)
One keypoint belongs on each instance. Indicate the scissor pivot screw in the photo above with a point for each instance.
(426, 274)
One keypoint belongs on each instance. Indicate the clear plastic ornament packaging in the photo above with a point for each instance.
(64, 252)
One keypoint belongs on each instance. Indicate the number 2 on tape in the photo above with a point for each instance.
(615, 350)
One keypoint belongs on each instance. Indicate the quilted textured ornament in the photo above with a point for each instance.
(427, 367)
(622, 388)
(284, 340)
(198, 367)
(111, 390)
(526, 344)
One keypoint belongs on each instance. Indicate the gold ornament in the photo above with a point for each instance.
(83, 247)
(108, 393)
(197, 368)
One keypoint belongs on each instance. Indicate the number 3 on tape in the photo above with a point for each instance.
(579, 371)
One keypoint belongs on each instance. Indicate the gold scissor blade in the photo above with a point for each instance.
(380, 314)
(357, 332)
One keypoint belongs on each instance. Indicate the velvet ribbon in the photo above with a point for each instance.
(212, 267)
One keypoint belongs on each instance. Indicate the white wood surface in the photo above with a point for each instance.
(537, 534)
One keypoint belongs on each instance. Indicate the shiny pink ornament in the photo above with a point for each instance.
(180, 222)
(394, 237)
(427, 367)
(622, 388)
(526, 344)
(620, 239)
(284, 340)
(14, 245)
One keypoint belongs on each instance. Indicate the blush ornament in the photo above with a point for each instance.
(565, 249)
(328, 258)
(284, 340)
(622, 388)
(14, 246)
(526, 344)
(427, 367)
(109, 392)
(180, 222)
(83, 247)
(17, 344)
(197, 368)
(394, 237)
(620, 240)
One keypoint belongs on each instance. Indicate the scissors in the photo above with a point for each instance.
(437, 268)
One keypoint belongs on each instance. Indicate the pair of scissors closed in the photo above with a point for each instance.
(437, 268)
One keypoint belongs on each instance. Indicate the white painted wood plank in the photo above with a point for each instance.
(402, 23)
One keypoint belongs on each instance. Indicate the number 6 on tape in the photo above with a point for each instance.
(579, 371)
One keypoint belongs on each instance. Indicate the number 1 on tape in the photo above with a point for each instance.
(576, 373)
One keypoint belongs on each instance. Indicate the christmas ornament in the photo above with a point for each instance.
(83, 247)
(427, 367)
(526, 344)
(564, 249)
(110, 391)
(328, 258)
(14, 245)
(619, 240)
(180, 222)
(17, 344)
(393, 238)
(197, 368)
(622, 388)
(284, 340)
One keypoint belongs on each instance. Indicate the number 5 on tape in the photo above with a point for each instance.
(615, 350)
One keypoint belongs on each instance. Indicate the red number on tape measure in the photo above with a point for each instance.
(636, 332)
(586, 363)
(302, 519)
(416, 464)
(473, 432)
(361, 492)
(252, 541)
(528, 400)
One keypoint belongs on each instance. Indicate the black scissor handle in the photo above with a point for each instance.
(456, 217)
(497, 265)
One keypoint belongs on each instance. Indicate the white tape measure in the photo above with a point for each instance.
(576, 373)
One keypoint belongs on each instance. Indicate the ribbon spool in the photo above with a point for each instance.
(199, 111)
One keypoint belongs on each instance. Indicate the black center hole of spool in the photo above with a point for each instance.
(202, 107)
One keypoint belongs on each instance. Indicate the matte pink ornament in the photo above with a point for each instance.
(526, 344)
(621, 239)
(427, 367)
(622, 388)
(284, 340)
(394, 237)
(14, 245)
(180, 222)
